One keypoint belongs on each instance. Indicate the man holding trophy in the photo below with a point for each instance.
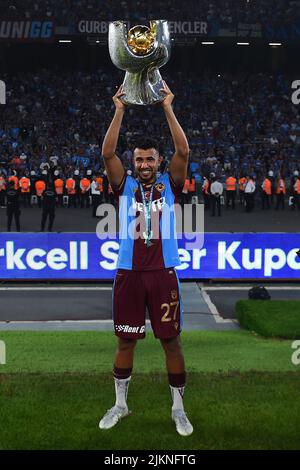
(148, 245)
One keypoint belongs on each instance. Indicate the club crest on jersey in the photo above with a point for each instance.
(160, 187)
(174, 294)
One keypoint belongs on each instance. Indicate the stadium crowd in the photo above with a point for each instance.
(222, 13)
(237, 126)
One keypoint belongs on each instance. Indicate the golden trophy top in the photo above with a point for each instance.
(141, 38)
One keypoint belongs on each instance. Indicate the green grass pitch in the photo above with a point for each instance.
(242, 393)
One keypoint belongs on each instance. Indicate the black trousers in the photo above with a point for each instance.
(10, 214)
(26, 199)
(2, 198)
(230, 198)
(59, 200)
(45, 214)
(296, 201)
(242, 196)
(266, 200)
(279, 201)
(72, 200)
(96, 201)
(249, 199)
(185, 198)
(215, 203)
(85, 199)
(206, 198)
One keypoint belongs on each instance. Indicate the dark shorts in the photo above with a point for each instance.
(159, 291)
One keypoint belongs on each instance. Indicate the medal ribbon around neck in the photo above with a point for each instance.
(148, 234)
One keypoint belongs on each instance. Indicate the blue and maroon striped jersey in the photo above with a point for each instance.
(134, 253)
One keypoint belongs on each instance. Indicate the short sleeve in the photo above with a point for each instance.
(119, 191)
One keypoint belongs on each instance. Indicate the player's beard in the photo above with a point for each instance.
(150, 178)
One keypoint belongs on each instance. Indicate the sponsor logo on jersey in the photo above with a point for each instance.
(130, 329)
(157, 205)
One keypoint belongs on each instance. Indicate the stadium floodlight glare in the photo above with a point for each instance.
(243, 43)
(208, 43)
(275, 44)
(65, 40)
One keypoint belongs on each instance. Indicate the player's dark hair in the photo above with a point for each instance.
(146, 143)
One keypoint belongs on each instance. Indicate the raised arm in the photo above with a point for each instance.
(113, 165)
(179, 163)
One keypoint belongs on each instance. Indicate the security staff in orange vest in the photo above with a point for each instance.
(266, 193)
(40, 187)
(297, 193)
(59, 189)
(185, 197)
(2, 191)
(85, 186)
(192, 188)
(242, 183)
(280, 193)
(13, 207)
(206, 193)
(230, 191)
(99, 181)
(111, 198)
(49, 203)
(71, 191)
(25, 190)
(15, 179)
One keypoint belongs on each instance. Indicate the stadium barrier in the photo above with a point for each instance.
(83, 256)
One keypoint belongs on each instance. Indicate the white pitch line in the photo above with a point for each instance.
(77, 322)
(213, 309)
(55, 288)
(212, 288)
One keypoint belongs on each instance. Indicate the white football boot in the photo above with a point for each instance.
(183, 426)
(113, 416)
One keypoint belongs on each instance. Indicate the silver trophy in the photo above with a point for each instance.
(140, 52)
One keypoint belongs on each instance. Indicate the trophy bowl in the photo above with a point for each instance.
(141, 51)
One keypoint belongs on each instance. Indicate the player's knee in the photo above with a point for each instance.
(172, 346)
(126, 344)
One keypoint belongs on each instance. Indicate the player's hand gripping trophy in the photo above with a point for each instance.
(140, 52)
